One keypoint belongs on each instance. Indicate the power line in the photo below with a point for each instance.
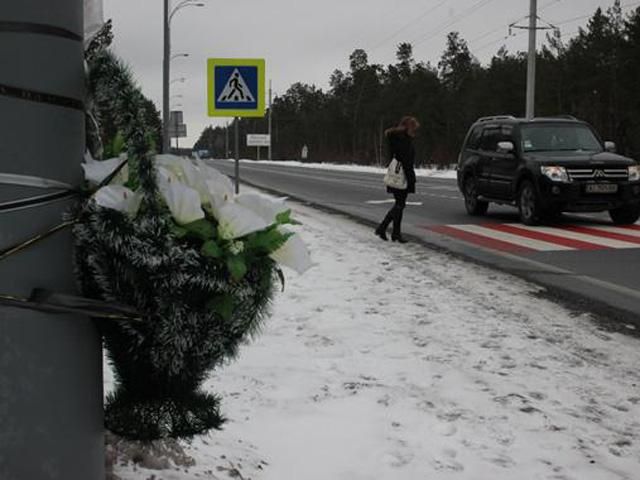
(519, 19)
(562, 22)
(409, 24)
(461, 16)
(582, 17)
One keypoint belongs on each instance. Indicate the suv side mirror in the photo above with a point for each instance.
(506, 147)
(610, 147)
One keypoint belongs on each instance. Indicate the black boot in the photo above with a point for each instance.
(396, 236)
(381, 233)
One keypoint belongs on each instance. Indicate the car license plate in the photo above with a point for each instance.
(602, 188)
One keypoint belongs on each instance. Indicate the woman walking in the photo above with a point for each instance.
(400, 141)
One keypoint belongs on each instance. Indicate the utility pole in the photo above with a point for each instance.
(51, 405)
(270, 123)
(237, 145)
(226, 140)
(166, 63)
(531, 64)
(531, 61)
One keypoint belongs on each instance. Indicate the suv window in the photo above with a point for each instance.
(490, 138)
(473, 143)
(558, 137)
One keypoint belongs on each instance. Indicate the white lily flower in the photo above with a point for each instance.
(235, 221)
(118, 197)
(95, 171)
(183, 168)
(216, 197)
(293, 254)
(216, 181)
(183, 201)
(267, 207)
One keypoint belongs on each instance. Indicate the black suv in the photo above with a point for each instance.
(545, 166)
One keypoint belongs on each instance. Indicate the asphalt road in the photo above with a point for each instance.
(602, 275)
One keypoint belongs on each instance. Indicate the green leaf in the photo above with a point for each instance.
(178, 231)
(284, 218)
(133, 182)
(267, 241)
(237, 267)
(211, 249)
(223, 306)
(203, 229)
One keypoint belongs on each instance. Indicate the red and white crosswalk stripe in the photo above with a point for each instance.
(518, 238)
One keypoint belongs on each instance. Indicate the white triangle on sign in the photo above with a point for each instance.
(236, 90)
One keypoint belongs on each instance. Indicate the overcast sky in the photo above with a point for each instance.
(305, 40)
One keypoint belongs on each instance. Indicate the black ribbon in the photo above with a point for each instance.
(41, 97)
(39, 29)
(51, 302)
(37, 201)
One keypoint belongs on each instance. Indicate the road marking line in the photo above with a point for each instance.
(583, 237)
(481, 240)
(629, 232)
(621, 234)
(391, 200)
(555, 237)
(522, 241)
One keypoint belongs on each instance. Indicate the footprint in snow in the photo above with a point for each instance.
(450, 465)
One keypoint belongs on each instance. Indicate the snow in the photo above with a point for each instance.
(389, 361)
(420, 172)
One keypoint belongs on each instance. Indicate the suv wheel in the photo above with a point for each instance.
(471, 202)
(528, 204)
(627, 215)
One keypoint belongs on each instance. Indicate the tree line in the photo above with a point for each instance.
(592, 76)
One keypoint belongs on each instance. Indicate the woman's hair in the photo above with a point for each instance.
(405, 123)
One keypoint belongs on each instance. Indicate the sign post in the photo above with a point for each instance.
(258, 140)
(236, 88)
(177, 127)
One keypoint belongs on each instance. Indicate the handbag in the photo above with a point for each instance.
(395, 176)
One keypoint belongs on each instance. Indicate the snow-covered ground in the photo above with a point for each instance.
(420, 172)
(389, 361)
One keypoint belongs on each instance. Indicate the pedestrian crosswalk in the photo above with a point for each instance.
(518, 238)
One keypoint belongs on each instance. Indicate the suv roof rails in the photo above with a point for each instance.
(564, 117)
(496, 117)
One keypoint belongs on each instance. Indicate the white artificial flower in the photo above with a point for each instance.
(293, 254)
(217, 183)
(217, 196)
(183, 201)
(181, 167)
(118, 197)
(95, 171)
(267, 207)
(235, 221)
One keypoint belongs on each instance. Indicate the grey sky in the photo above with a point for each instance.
(305, 40)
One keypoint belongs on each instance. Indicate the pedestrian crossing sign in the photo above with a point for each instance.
(235, 87)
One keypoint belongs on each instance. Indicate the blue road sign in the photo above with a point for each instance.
(236, 87)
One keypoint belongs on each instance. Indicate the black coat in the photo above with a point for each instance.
(401, 147)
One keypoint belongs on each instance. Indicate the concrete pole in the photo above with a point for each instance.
(270, 123)
(531, 65)
(237, 145)
(166, 63)
(226, 140)
(51, 420)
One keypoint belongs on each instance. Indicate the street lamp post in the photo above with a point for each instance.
(166, 64)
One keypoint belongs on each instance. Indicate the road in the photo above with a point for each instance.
(582, 255)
